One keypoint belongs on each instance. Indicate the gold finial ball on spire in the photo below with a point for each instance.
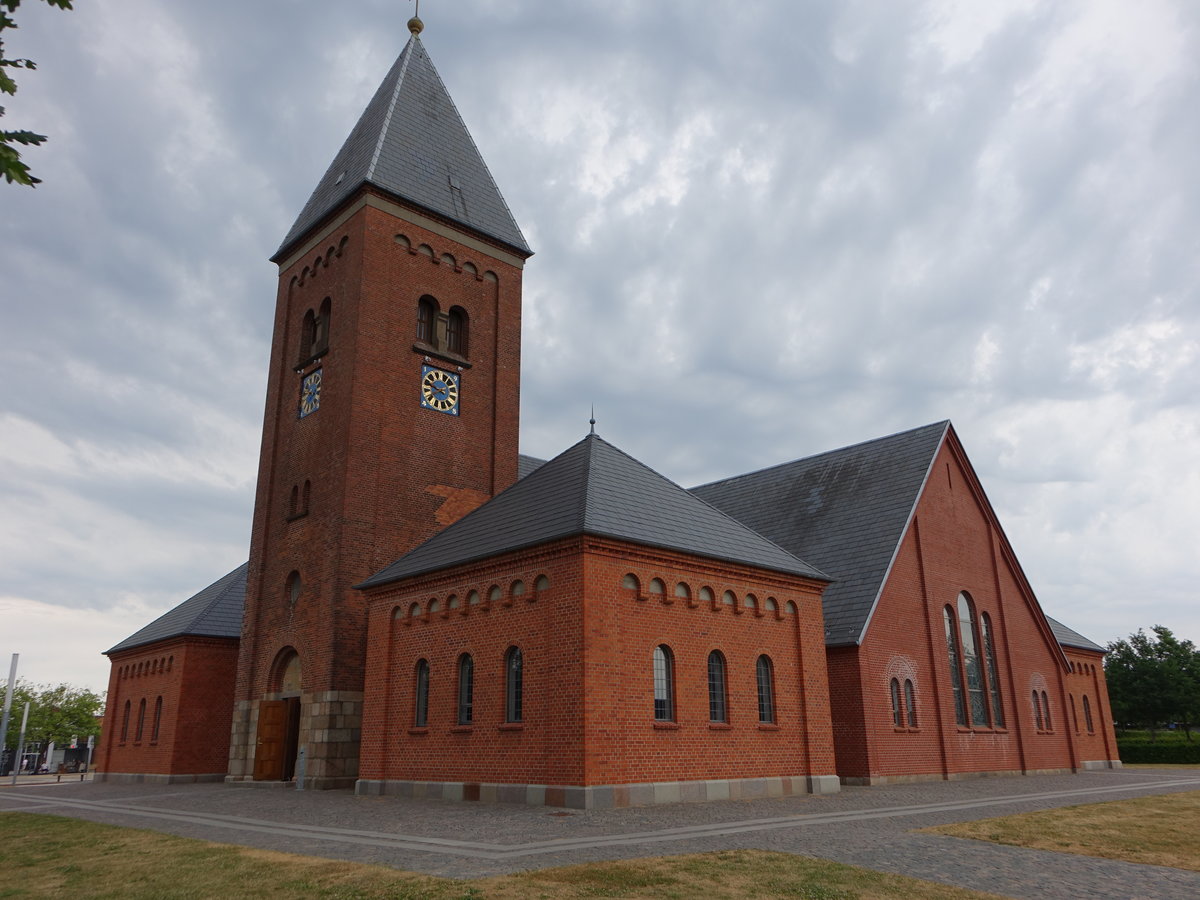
(415, 25)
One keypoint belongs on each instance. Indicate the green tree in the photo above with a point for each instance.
(1154, 679)
(11, 165)
(56, 713)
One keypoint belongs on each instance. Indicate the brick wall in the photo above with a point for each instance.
(194, 677)
(953, 545)
(587, 642)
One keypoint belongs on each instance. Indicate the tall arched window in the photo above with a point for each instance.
(307, 328)
(456, 331)
(765, 676)
(125, 724)
(157, 719)
(320, 341)
(1087, 715)
(989, 652)
(1037, 712)
(513, 685)
(1046, 711)
(664, 684)
(466, 689)
(717, 707)
(960, 709)
(972, 668)
(421, 695)
(426, 319)
(897, 711)
(292, 588)
(910, 703)
(141, 720)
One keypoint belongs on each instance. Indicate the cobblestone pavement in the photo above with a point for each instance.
(872, 827)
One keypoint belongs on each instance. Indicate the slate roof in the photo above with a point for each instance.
(214, 612)
(411, 142)
(594, 488)
(1071, 638)
(528, 464)
(845, 511)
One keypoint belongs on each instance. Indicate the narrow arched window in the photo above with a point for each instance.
(125, 723)
(989, 652)
(664, 684)
(972, 668)
(321, 328)
(1037, 712)
(466, 689)
(1074, 714)
(292, 588)
(513, 685)
(421, 695)
(717, 705)
(456, 331)
(910, 703)
(294, 502)
(765, 678)
(897, 712)
(960, 710)
(157, 719)
(141, 720)
(1046, 711)
(1087, 715)
(426, 319)
(307, 327)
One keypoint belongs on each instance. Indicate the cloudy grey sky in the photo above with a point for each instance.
(763, 230)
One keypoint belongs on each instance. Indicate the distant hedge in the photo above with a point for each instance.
(1146, 752)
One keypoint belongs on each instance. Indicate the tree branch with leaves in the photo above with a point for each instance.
(11, 166)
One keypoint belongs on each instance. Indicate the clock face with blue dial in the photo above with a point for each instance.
(310, 393)
(439, 390)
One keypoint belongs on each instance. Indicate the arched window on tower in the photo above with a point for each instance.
(307, 328)
(321, 328)
(427, 311)
(456, 331)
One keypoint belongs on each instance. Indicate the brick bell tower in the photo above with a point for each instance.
(392, 408)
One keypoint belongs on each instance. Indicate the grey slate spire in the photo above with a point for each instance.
(410, 142)
(594, 488)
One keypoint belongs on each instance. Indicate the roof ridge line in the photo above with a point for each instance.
(387, 119)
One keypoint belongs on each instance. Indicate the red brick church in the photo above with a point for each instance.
(425, 612)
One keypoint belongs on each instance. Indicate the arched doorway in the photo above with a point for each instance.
(278, 737)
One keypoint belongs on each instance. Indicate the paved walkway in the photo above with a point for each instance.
(871, 827)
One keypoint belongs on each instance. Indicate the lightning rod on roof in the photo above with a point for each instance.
(592, 420)
(415, 25)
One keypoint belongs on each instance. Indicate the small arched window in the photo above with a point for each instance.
(513, 685)
(764, 675)
(414, 610)
(910, 703)
(294, 502)
(664, 684)
(729, 599)
(517, 588)
(157, 719)
(292, 588)
(657, 588)
(897, 712)
(456, 331)
(125, 723)
(421, 695)
(717, 706)
(427, 311)
(1087, 715)
(630, 583)
(706, 595)
(141, 720)
(466, 689)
